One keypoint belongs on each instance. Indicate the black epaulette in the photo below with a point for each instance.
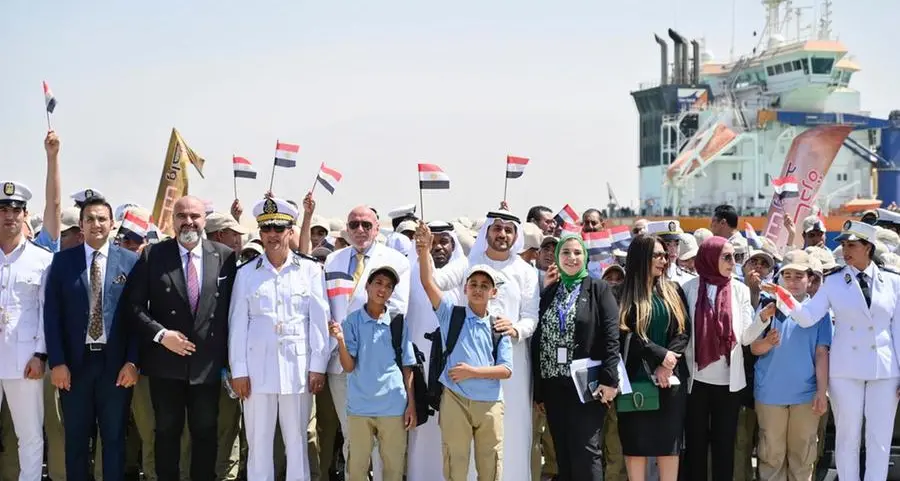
(39, 246)
(833, 270)
(259, 262)
(890, 269)
(304, 256)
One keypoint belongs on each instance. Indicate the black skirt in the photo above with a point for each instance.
(656, 433)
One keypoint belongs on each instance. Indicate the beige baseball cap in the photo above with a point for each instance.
(217, 221)
(797, 260)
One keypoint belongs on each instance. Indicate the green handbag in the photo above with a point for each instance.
(644, 395)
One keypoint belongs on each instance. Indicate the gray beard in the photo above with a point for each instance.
(188, 237)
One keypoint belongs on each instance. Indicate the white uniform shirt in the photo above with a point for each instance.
(101, 259)
(22, 275)
(278, 326)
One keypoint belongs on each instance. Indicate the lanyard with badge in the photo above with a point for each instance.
(562, 354)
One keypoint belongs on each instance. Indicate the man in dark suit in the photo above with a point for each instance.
(179, 293)
(92, 356)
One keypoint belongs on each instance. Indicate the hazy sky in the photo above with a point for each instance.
(371, 88)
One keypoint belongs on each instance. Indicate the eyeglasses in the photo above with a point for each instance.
(355, 224)
(660, 255)
(279, 229)
(728, 258)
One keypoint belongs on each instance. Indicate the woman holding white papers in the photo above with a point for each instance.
(578, 320)
(657, 329)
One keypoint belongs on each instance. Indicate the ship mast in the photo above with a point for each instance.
(825, 21)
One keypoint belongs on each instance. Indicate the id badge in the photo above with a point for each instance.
(562, 355)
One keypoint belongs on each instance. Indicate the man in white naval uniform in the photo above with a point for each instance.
(278, 344)
(424, 449)
(864, 374)
(516, 311)
(23, 268)
(343, 271)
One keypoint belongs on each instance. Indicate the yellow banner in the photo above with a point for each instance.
(173, 184)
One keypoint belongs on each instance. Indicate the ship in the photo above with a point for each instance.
(717, 132)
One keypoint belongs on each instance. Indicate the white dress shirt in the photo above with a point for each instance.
(101, 260)
(197, 257)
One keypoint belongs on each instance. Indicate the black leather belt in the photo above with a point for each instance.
(95, 347)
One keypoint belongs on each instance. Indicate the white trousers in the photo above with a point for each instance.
(291, 411)
(337, 383)
(25, 398)
(852, 399)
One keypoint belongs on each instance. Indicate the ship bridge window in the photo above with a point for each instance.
(779, 69)
(797, 65)
(846, 78)
(788, 67)
(805, 63)
(822, 65)
(770, 71)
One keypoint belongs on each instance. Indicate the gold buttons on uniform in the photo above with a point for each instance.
(172, 313)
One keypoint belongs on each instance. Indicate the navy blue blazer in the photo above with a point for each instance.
(67, 309)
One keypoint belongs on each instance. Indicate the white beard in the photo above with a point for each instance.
(188, 237)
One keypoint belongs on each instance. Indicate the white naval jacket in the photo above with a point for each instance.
(866, 339)
(278, 325)
(379, 255)
(747, 328)
(22, 278)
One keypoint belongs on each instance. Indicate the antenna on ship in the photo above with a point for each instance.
(825, 21)
(733, 28)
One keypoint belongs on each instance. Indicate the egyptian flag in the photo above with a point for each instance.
(786, 186)
(286, 154)
(134, 224)
(49, 99)
(432, 177)
(515, 166)
(338, 284)
(621, 237)
(784, 301)
(570, 229)
(566, 216)
(328, 178)
(598, 243)
(752, 238)
(242, 167)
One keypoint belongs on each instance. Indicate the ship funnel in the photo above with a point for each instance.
(695, 72)
(677, 72)
(681, 57)
(664, 60)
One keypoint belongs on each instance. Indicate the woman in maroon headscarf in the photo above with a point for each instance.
(722, 320)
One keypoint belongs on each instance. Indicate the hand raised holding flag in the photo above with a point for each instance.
(51, 143)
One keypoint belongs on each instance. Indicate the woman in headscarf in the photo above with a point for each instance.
(654, 319)
(722, 321)
(578, 319)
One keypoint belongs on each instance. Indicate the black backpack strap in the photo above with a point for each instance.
(457, 318)
(497, 337)
(397, 338)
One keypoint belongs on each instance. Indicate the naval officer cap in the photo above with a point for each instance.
(857, 231)
(275, 212)
(669, 230)
(82, 196)
(887, 218)
(14, 195)
(403, 212)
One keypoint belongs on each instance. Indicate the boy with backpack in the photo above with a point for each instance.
(471, 408)
(380, 398)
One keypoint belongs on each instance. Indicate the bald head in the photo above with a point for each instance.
(362, 227)
(189, 220)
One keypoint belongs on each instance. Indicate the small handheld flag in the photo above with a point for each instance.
(328, 178)
(135, 224)
(431, 177)
(285, 156)
(621, 237)
(752, 237)
(570, 229)
(515, 167)
(567, 215)
(243, 168)
(784, 301)
(597, 243)
(338, 284)
(49, 103)
(786, 186)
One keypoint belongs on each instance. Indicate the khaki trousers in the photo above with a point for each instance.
(612, 448)
(462, 421)
(543, 454)
(744, 442)
(391, 434)
(327, 426)
(787, 441)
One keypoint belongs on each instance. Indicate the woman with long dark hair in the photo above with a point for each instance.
(723, 321)
(653, 316)
(578, 320)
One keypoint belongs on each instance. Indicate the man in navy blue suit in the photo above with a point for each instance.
(92, 356)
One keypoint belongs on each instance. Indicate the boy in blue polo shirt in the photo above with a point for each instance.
(790, 382)
(380, 401)
(472, 402)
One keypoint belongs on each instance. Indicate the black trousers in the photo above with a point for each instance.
(576, 429)
(171, 399)
(711, 426)
(93, 400)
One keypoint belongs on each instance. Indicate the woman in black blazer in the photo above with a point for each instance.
(578, 319)
(655, 315)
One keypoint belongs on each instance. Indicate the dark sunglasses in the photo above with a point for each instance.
(355, 224)
(279, 229)
(660, 255)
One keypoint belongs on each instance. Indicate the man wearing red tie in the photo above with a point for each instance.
(179, 293)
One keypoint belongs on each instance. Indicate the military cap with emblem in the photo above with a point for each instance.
(14, 195)
(669, 230)
(275, 212)
(857, 231)
(887, 218)
(402, 213)
(82, 196)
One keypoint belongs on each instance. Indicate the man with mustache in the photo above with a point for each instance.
(179, 294)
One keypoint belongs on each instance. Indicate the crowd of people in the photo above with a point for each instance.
(357, 348)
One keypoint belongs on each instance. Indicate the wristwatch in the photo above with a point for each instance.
(40, 355)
